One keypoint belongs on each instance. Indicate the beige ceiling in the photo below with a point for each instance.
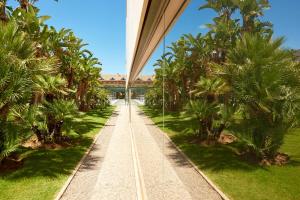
(146, 24)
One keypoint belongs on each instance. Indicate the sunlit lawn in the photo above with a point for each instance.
(239, 179)
(45, 171)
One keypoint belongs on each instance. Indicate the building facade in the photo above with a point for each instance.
(116, 83)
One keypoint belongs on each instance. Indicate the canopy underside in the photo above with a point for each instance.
(147, 23)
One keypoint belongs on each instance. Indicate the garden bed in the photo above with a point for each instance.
(45, 170)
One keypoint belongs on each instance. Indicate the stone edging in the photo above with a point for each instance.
(67, 183)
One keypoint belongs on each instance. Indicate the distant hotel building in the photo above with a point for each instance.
(115, 84)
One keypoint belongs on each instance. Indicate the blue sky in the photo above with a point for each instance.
(101, 24)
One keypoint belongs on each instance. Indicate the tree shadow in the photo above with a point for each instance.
(103, 113)
(215, 158)
(53, 163)
(177, 125)
(86, 125)
(81, 128)
(91, 161)
(177, 157)
(48, 163)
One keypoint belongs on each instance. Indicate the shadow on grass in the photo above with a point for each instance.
(52, 163)
(86, 124)
(217, 157)
(49, 163)
(102, 113)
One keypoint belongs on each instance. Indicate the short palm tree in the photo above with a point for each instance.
(204, 113)
(265, 81)
(16, 55)
(210, 88)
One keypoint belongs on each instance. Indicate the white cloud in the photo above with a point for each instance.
(203, 26)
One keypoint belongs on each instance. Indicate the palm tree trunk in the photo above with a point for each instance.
(4, 110)
(3, 16)
(81, 93)
(24, 4)
(70, 78)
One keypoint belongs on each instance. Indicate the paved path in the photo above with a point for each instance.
(136, 161)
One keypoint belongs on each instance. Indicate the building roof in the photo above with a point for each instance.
(122, 77)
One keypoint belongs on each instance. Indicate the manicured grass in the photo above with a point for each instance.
(45, 171)
(237, 178)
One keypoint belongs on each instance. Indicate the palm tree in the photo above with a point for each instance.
(223, 32)
(71, 56)
(265, 82)
(41, 68)
(209, 107)
(198, 58)
(58, 112)
(168, 72)
(16, 55)
(48, 120)
(24, 4)
(154, 98)
(250, 11)
(87, 72)
(48, 88)
(4, 10)
(204, 112)
(223, 7)
(210, 88)
(96, 97)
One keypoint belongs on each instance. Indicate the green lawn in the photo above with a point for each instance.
(45, 171)
(238, 179)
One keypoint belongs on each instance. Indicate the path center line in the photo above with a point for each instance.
(140, 185)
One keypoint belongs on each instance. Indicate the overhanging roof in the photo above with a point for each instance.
(147, 22)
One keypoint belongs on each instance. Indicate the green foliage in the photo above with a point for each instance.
(97, 97)
(16, 55)
(43, 73)
(45, 171)
(237, 75)
(236, 177)
(154, 98)
(204, 112)
(211, 107)
(265, 82)
(8, 139)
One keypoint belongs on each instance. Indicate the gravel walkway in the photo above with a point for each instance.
(136, 161)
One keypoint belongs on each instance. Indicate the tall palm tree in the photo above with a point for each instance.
(223, 7)
(4, 10)
(179, 55)
(198, 58)
(250, 11)
(24, 4)
(71, 56)
(87, 72)
(168, 72)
